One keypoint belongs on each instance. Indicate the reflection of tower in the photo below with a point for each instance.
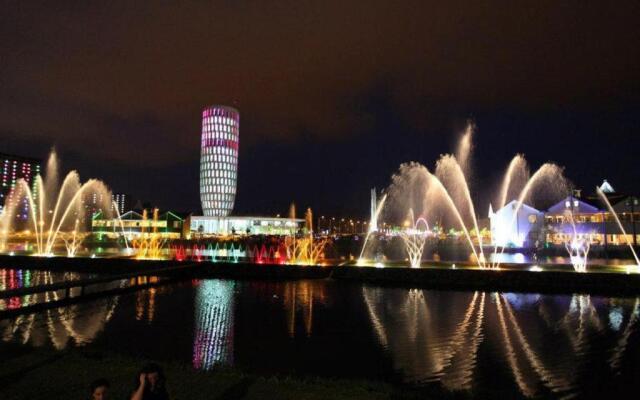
(373, 225)
(213, 336)
(219, 160)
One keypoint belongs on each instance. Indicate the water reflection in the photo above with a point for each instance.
(79, 323)
(298, 301)
(145, 299)
(213, 335)
(490, 344)
(436, 336)
(19, 278)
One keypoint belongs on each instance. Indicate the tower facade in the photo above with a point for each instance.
(219, 160)
(13, 168)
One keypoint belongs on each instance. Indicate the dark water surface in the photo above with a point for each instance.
(501, 345)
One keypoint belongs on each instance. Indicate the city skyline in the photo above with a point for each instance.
(333, 100)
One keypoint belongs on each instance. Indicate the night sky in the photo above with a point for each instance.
(333, 95)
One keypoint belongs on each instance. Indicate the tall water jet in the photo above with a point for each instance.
(615, 215)
(373, 225)
(465, 147)
(448, 170)
(415, 184)
(515, 177)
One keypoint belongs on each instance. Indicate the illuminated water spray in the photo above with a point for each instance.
(414, 239)
(55, 212)
(615, 215)
(373, 225)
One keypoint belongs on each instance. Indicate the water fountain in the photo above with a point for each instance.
(445, 195)
(73, 240)
(373, 226)
(434, 200)
(414, 239)
(305, 250)
(54, 212)
(150, 245)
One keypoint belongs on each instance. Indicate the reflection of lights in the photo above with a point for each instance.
(213, 342)
(631, 269)
(615, 318)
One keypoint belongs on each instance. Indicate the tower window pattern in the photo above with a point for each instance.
(219, 160)
(13, 168)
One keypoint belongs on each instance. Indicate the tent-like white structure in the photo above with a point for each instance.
(511, 229)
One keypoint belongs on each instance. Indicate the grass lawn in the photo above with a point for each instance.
(41, 374)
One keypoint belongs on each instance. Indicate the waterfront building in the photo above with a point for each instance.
(13, 168)
(573, 217)
(219, 160)
(570, 218)
(132, 224)
(511, 228)
(204, 226)
(627, 209)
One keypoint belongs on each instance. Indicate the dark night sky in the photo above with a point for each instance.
(333, 95)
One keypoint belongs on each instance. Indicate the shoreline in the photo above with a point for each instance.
(440, 277)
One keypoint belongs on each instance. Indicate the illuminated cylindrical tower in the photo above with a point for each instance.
(219, 160)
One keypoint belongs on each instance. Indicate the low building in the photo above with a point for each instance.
(134, 224)
(233, 225)
(516, 227)
(574, 218)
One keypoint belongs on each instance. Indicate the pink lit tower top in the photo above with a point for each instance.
(219, 160)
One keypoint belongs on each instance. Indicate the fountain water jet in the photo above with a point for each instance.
(372, 226)
(433, 194)
(518, 169)
(449, 169)
(615, 215)
(414, 240)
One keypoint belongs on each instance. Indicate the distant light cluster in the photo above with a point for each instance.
(219, 160)
(13, 168)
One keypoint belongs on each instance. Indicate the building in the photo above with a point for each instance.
(13, 168)
(627, 210)
(516, 228)
(219, 160)
(134, 224)
(204, 226)
(120, 202)
(573, 217)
